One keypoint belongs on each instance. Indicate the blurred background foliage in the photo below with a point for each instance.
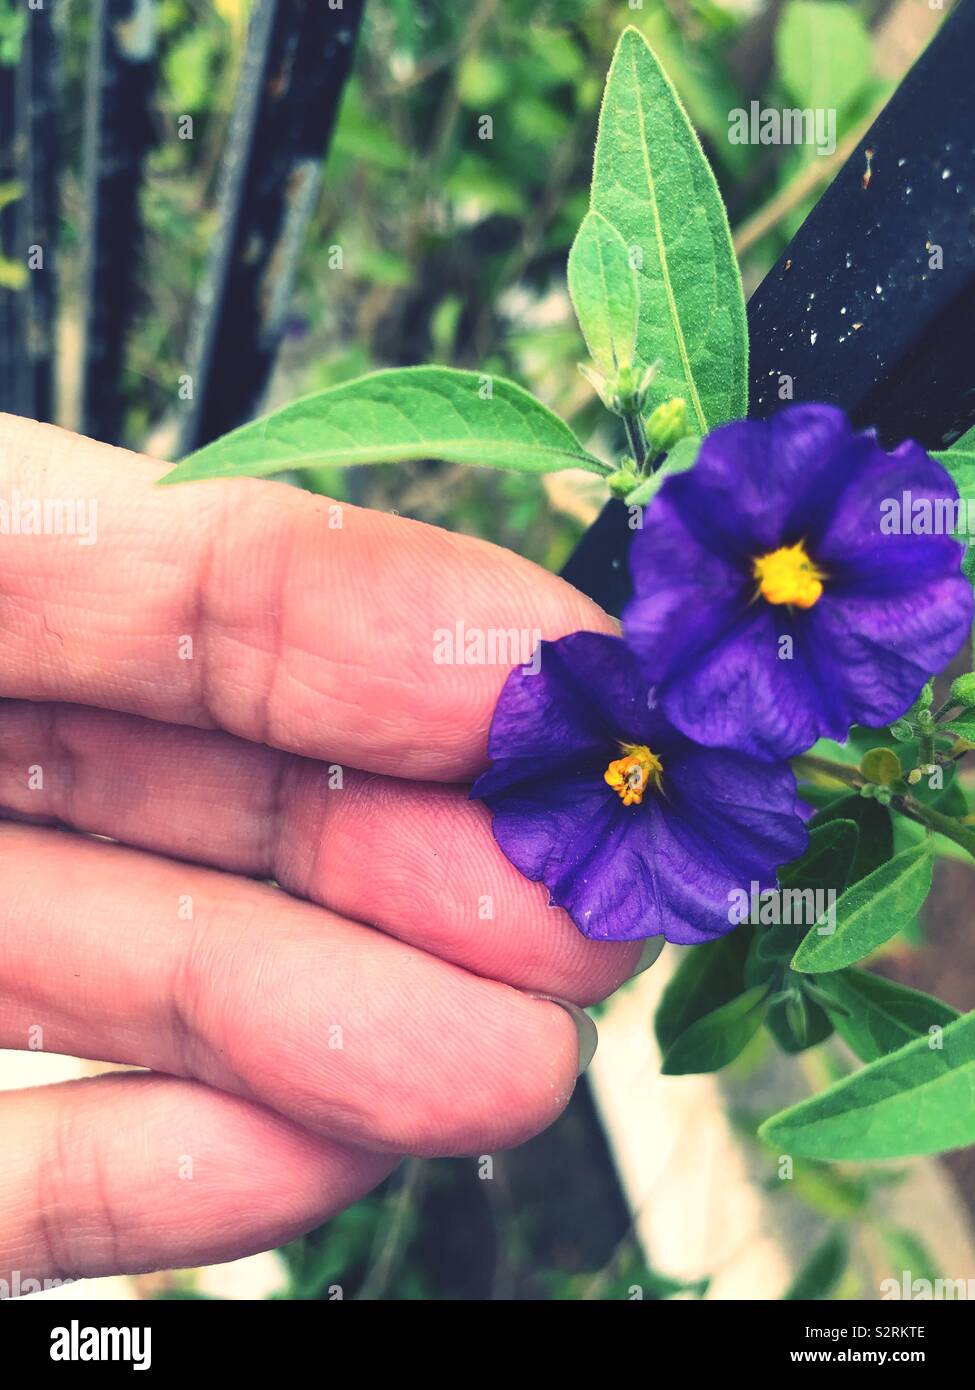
(453, 250)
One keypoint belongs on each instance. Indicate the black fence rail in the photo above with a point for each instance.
(298, 57)
(118, 135)
(28, 221)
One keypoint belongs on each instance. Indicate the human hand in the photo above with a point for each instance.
(237, 683)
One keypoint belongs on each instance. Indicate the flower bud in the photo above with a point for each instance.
(881, 765)
(624, 480)
(667, 424)
(963, 690)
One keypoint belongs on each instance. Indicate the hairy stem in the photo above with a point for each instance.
(637, 439)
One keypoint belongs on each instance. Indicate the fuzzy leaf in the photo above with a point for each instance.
(603, 287)
(870, 912)
(652, 181)
(875, 1016)
(917, 1100)
(403, 414)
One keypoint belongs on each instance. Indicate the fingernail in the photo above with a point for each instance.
(585, 1028)
(651, 950)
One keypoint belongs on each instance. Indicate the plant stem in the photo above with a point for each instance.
(824, 767)
(927, 816)
(637, 439)
(942, 825)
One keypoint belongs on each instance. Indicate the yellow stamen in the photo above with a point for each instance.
(787, 575)
(630, 775)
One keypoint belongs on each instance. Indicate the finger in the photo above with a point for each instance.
(416, 860)
(110, 953)
(126, 1173)
(262, 610)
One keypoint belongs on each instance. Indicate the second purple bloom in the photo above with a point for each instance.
(778, 598)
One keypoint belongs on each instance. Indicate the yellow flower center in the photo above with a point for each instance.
(787, 575)
(630, 775)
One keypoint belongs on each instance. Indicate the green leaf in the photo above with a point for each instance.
(828, 857)
(906, 1250)
(870, 912)
(717, 1039)
(822, 1271)
(823, 54)
(603, 288)
(797, 1024)
(959, 461)
(680, 459)
(820, 797)
(707, 977)
(961, 728)
(917, 1100)
(876, 838)
(875, 1016)
(389, 417)
(652, 181)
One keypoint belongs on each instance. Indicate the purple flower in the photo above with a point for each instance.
(789, 586)
(636, 830)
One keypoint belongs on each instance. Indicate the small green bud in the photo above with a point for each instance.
(924, 718)
(884, 795)
(926, 697)
(667, 424)
(963, 690)
(902, 731)
(881, 765)
(914, 776)
(624, 480)
(624, 385)
(869, 791)
(796, 1017)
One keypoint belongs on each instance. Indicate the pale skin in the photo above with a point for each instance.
(312, 648)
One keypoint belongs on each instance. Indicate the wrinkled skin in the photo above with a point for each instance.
(312, 649)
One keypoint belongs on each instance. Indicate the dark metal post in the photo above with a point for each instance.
(28, 224)
(9, 317)
(297, 61)
(118, 134)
